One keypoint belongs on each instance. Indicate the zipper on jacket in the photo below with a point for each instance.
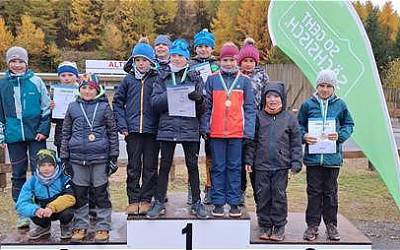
(48, 191)
(141, 107)
(22, 109)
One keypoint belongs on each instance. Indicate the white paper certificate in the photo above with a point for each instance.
(179, 103)
(317, 129)
(63, 95)
(204, 69)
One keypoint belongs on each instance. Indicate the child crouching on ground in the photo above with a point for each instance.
(276, 149)
(90, 147)
(47, 196)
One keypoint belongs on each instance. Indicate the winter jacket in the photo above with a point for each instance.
(259, 80)
(132, 104)
(57, 195)
(24, 108)
(162, 65)
(337, 110)
(277, 141)
(236, 121)
(176, 128)
(76, 146)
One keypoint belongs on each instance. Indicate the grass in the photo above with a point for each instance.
(362, 194)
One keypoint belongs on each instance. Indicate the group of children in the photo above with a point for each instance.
(239, 113)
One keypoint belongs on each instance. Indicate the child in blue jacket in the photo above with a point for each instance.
(47, 196)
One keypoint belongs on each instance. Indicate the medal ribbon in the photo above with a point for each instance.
(85, 115)
(228, 92)
(324, 112)
(182, 79)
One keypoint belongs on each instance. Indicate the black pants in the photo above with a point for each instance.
(272, 206)
(191, 158)
(142, 165)
(322, 194)
(64, 216)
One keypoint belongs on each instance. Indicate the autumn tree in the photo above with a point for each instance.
(113, 43)
(165, 11)
(43, 16)
(137, 20)
(6, 39)
(389, 21)
(225, 23)
(204, 11)
(252, 21)
(30, 37)
(361, 10)
(12, 10)
(50, 58)
(63, 18)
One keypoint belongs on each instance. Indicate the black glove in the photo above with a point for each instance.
(296, 168)
(195, 96)
(204, 136)
(112, 166)
(67, 168)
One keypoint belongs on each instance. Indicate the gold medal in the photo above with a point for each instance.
(228, 103)
(91, 137)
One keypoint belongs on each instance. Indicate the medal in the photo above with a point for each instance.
(228, 103)
(228, 92)
(91, 137)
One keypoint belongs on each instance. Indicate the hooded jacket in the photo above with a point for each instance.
(76, 146)
(176, 128)
(24, 108)
(259, 80)
(336, 110)
(132, 104)
(277, 141)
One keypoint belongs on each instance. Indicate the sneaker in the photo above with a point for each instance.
(156, 211)
(278, 234)
(101, 236)
(144, 207)
(242, 200)
(38, 232)
(199, 210)
(189, 195)
(207, 196)
(332, 232)
(78, 235)
(311, 233)
(65, 230)
(218, 211)
(23, 222)
(235, 211)
(133, 208)
(265, 233)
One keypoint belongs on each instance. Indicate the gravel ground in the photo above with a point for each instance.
(383, 234)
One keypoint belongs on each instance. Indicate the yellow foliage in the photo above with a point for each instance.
(392, 74)
(30, 37)
(112, 42)
(389, 21)
(6, 38)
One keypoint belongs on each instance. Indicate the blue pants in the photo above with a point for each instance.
(226, 170)
(19, 162)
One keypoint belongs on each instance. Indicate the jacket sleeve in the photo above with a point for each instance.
(208, 102)
(112, 132)
(249, 111)
(64, 201)
(119, 101)
(200, 106)
(346, 125)
(25, 205)
(296, 149)
(66, 134)
(250, 147)
(302, 118)
(44, 124)
(159, 99)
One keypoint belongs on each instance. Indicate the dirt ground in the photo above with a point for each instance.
(363, 198)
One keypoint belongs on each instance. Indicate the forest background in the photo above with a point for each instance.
(57, 30)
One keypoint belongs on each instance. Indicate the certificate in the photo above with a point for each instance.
(63, 95)
(179, 103)
(319, 130)
(204, 69)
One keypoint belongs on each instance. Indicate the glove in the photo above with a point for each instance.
(112, 166)
(296, 169)
(67, 168)
(195, 96)
(204, 136)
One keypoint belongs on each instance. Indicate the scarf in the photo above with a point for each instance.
(273, 111)
(48, 180)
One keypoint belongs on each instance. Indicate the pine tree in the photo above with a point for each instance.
(204, 12)
(183, 25)
(50, 58)
(361, 11)
(63, 19)
(113, 43)
(165, 11)
(12, 10)
(225, 23)
(396, 45)
(6, 39)
(137, 20)
(389, 21)
(85, 27)
(252, 21)
(30, 37)
(43, 16)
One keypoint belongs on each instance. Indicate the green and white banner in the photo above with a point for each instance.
(329, 34)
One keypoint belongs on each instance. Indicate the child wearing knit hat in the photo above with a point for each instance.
(204, 44)
(229, 119)
(25, 118)
(323, 169)
(248, 60)
(161, 47)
